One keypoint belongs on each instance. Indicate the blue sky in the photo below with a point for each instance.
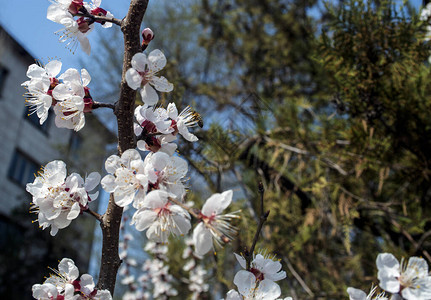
(26, 21)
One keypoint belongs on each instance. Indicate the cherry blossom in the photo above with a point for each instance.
(160, 217)
(74, 31)
(211, 215)
(151, 120)
(411, 280)
(143, 75)
(126, 178)
(258, 282)
(180, 122)
(39, 88)
(166, 173)
(73, 99)
(59, 199)
(64, 284)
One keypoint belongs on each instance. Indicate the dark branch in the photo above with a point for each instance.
(248, 255)
(97, 105)
(94, 214)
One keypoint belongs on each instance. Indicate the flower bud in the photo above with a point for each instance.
(147, 36)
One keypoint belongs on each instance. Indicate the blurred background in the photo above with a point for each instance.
(325, 102)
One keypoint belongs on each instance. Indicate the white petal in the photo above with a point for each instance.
(133, 79)
(74, 211)
(67, 268)
(241, 260)
(182, 222)
(91, 181)
(85, 44)
(139, 62)
(182, 129)
(149, 95)
(172, 111)
(112, 163)
(233, 295)
(356, 294)
(217, 203)
(202, 239)
(268, 290)
(108, 183)
(161, 84)
(159, 160)
(157, 60)
(245, 282)
(87, 284)
(123, 197)
(53, 68)
(86, 78)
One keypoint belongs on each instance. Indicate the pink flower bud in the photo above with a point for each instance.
(147, 35)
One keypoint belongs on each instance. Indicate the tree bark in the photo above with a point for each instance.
(110, 261)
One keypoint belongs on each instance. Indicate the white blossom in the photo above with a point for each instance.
(126, 178)
(143, 75)
(64, 283)
(258, 282)
(166, 173)
(59, 199)
(42, 80)
(211, 215)
(180, 122)
(411, 280)
(70, 96)
(160, 217)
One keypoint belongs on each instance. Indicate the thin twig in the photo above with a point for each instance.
(94, 214)
(100, 104)
(112, 20)
(248, 255)
(298, 278)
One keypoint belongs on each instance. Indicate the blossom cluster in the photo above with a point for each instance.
(156, 276)
(406, 280)
(64, 13)
(58, 199)
(68, 94)
(64, 284)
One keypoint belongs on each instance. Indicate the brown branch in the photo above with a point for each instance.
(107, 19)
(94, 214)
(85, 13)
(248, 255)
(97, 105)
(111, 220)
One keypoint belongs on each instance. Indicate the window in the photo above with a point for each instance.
(22, 169)
(34, 119)
(3, 75)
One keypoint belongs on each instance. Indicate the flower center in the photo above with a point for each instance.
(258, 274)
